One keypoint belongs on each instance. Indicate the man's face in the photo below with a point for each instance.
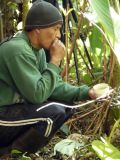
(48, 35)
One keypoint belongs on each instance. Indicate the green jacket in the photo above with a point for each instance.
(25, 75)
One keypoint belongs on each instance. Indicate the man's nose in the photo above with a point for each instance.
(58, 34)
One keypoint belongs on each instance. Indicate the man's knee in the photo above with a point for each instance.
(59, 111)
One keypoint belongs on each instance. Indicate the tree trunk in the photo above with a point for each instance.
(25, 11)
(115, 69)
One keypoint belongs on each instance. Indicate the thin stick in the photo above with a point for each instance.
(73, 45)
(86, 114)
(94, 119)
(66, 43)
(102, 119)
(105, 115)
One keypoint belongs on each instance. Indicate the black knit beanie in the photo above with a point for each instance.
(42, 15)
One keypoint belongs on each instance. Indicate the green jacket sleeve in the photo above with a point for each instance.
(67, 93)
(37, 85)
(34, 86)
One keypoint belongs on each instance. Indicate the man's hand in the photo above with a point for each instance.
(92, 94)
(57, 52)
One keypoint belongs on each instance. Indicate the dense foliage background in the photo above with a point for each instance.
(91, 33)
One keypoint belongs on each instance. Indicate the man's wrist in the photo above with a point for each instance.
(56, 62)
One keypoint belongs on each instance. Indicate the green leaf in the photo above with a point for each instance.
(102, 9)
(19, 154)
(110, 21)
(15, 151)
(65, 12)
(65, 129)
(105, 150)
(96, 40)
(116, 23)
(67, 147)
(87, 78)
(25, 158)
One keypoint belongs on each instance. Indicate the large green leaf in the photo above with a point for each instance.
(116, 23)
(96, 45)
(110, 21)
(102, 9)
(105, 150)
(67, 147)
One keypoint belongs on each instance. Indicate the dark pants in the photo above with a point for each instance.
(24, 128)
